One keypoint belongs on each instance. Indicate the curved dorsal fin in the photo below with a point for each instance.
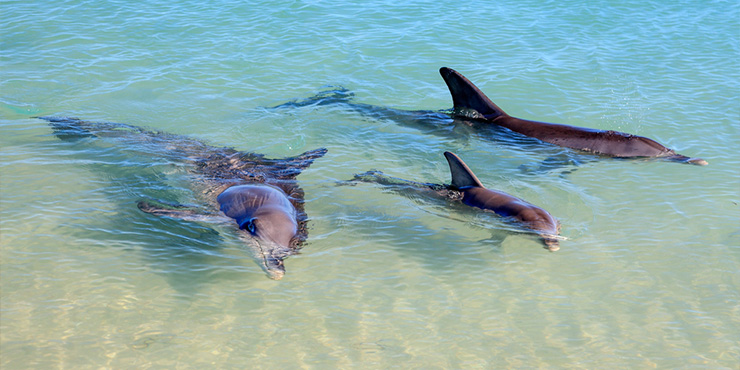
(466, 96)
(462, 176)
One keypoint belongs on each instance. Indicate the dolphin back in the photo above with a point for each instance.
(242, 201)
(467, 99)
(462, 176)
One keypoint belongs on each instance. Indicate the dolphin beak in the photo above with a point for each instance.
(276, 274)
(274, 268)
(551, 244)
(272, 258)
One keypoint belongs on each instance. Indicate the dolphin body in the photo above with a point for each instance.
(470, 102)
(473, 110)
(466, 187)
(259, 194)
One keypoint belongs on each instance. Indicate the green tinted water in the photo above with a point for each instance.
(648, 277)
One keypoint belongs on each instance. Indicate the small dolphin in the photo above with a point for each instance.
(470, 102)
(260, 194)
(466, 187)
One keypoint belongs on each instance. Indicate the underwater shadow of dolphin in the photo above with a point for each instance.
(466, 188)
(475, 109)
(260, 194)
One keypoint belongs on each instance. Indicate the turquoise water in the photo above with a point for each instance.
(648, 278)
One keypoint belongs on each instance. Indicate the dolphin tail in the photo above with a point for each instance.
(334, 95)
(462, 176)
(288, 168)
(468, 100)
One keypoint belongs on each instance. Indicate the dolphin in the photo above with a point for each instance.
(466, 188)
(259, 195)
(469, 102)
(473, 111)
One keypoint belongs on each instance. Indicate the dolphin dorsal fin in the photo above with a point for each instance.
(466, 97)
(462, 176)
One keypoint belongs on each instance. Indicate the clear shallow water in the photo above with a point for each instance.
(648, 278)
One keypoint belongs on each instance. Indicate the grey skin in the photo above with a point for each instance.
(474, 112)
(472, 103)
(466, 187)
(261, 195)
(266, 213)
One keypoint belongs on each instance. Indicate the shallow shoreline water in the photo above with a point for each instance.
(647, 278)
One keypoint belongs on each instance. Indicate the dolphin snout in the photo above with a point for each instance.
(551, 244)
(276, 274)
(273, 263)
(698, 161)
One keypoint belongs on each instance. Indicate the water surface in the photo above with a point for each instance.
(648, 278)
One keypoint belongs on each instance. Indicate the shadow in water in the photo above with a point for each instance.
(442, 123)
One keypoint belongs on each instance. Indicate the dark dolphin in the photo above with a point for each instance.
(474, 112)
(260, 194)
(470, 102)
(466, 187)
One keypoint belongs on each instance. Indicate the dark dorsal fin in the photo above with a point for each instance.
(467, 97)
(462, 176)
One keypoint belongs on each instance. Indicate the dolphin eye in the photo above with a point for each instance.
(250, 226)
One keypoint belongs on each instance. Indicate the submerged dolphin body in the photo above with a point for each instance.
(260, 194)
(470, 102)
(466, 187)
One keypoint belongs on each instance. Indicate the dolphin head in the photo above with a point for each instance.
(266, 214)
(546, 226)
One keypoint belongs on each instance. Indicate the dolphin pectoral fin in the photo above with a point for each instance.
(179, 211)
(467, 99)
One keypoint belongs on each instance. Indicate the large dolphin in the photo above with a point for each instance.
(260, 195)
(473, 110)
(466, 187)
(470, 102)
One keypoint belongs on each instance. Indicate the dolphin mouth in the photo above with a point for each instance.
(274, 267)
(275, 273)
(271, 256)
(552, 241)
